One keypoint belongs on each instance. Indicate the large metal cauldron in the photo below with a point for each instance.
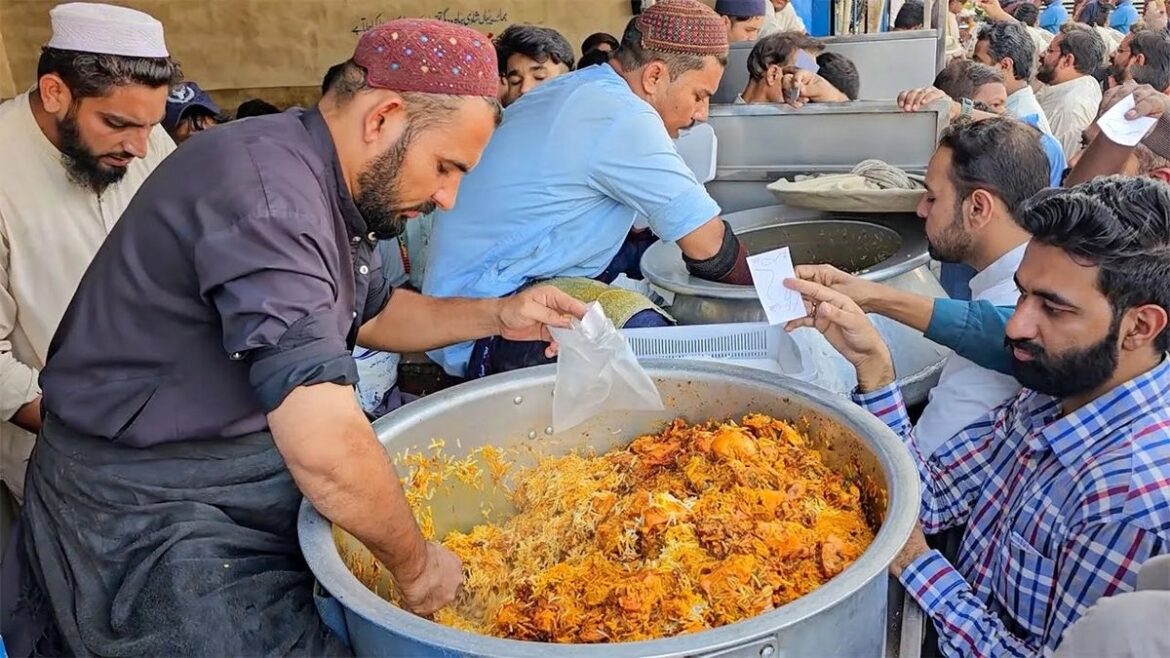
(890, 248)
(845, 617)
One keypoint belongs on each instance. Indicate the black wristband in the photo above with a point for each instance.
(717, 266)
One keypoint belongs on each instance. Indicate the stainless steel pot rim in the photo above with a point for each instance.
(910, 256)
(321, 553)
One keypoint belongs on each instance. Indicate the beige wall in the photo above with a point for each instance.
(287, 44)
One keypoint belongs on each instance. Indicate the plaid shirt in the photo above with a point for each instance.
(1060, 511)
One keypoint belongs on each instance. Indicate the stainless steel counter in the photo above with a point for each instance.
(905, 624)
(758, 144)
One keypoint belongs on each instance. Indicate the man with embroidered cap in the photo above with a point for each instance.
(73, 151)
(573, 165)
(202, 379)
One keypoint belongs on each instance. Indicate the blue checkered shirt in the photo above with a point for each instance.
(1060, 511)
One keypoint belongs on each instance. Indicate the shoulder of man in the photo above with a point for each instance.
(240, 171)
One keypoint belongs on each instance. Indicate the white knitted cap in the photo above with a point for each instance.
(90, 27)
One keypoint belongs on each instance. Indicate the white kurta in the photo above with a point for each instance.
(953, 47)
(965, 391)
(1041, 38)
(1112, 39)
(1070, 107)
(785, 20)
(50, 230)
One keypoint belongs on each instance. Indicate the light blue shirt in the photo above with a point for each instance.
(1052, 17)
(1124, 15)
(556, 192)
(1057, 163)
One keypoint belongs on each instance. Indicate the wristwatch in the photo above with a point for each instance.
(966, 106)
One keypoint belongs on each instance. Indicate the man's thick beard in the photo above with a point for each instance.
(1071, 374)
(954, 244)
(1045, 75)
(1120, 74)
(379, 191)
(84, 168)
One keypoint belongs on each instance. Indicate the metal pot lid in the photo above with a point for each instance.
(877, 247)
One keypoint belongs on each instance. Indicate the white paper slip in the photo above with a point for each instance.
(1122, 131)
(769, 270)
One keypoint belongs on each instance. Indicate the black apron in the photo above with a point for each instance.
(180, 549)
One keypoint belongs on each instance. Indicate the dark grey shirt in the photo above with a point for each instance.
(241, 270)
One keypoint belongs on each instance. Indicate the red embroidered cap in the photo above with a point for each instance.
(428, 56)
(687, 27)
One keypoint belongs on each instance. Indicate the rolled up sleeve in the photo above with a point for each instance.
(273, 282)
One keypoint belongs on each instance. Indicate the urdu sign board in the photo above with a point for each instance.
(256, 44)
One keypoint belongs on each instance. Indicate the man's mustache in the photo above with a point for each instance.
(1031, 349)
(422, 209)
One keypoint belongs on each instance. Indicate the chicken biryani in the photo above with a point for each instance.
(692, 528)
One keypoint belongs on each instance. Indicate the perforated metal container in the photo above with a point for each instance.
(845, 617)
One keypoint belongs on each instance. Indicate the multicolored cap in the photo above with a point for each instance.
(687, 27)
(428, 56)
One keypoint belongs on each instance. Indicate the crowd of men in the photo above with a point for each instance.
(190, 300)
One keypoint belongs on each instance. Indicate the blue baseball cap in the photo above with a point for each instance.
(184, 97)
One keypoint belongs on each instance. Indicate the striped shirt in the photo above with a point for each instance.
(1060, 511)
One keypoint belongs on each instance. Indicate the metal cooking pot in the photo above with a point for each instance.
(844, 617)
(890, 248)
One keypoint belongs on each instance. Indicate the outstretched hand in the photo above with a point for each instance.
(913, 100)
(528, 314)
(846, 327)
(1147, 101)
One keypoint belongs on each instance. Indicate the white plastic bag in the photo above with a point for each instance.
(596, 372)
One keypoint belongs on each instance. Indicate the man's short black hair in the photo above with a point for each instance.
(1102, 75)
(1007, 39)
(1084, 44)
(537, 43)
(1027, 13)
(778, 49)
(1155, 47)
(596, 39)
(962, 78)
(1118, 224)
(593, 58)
(1001, 155)
(840, 71)
(331, 76)
(911, 16)
(93, 74)
(255, 107)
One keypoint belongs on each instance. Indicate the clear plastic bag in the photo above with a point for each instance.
(597, 372)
